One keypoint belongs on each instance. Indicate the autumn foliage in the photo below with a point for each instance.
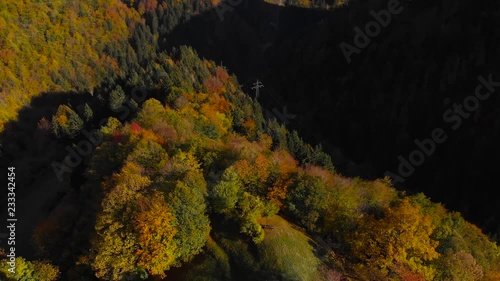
(188, 178)
(401, 236)
(153, 222)
(64, 42)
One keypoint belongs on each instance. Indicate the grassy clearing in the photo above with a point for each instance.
(213, 265)
(286, 254)
(287, 251)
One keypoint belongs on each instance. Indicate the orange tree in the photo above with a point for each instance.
(400, 238)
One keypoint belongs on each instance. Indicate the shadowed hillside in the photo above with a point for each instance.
(394, 92)
(237, 141)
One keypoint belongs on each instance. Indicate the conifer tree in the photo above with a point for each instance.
(87, 112)
(66, 122)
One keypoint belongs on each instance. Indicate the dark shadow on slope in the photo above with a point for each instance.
(31, 150)
(394, 91)
(29, 145)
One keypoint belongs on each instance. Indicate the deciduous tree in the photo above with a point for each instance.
(225, 193)
(401, 236)
(154, 226)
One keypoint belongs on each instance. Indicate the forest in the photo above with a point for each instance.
(139, 156)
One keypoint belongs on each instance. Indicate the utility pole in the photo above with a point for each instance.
(222, 66)
(256, 86)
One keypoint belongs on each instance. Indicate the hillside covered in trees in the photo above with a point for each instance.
(396, 89)
(141, 163)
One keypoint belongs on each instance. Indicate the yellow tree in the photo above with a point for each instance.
(155, 230)
(401, 237)
(28, 270)
(112, 256)
(125, 186)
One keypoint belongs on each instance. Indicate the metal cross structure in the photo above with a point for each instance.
(256, 86)
(222, 66)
